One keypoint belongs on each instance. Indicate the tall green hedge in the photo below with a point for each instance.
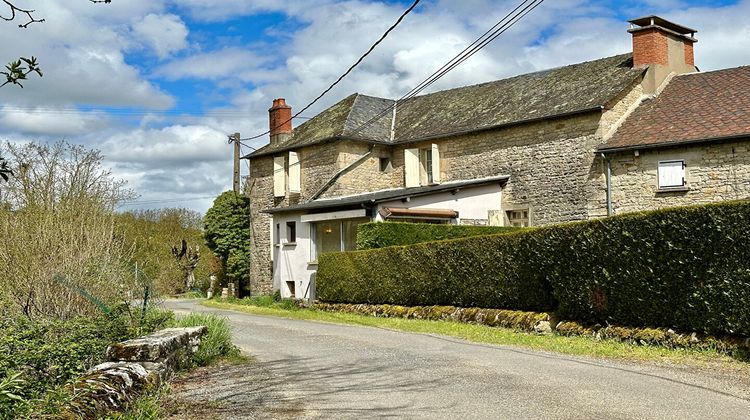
(686, 268)
(381, 235)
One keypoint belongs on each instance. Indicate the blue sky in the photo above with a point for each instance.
(157, 86)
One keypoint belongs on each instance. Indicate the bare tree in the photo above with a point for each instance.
(187, 258)
(18, 70)
(57, 231)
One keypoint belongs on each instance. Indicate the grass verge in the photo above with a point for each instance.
(576, 345)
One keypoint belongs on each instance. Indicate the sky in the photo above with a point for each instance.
(158, 85)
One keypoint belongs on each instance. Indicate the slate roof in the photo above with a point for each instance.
(387, 195)
(576, 88)
(692, 108)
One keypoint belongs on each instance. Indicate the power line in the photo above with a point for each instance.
(168, 200)
(123, 112)
(349, 70)
(504, 24)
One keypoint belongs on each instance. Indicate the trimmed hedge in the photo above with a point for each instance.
(686, 268)
(381, 235)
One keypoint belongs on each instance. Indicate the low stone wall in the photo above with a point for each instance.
(134, 366)
(545, 323)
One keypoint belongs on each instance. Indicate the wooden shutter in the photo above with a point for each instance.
(411, 168)
(435, 164)
(295, 182)
(671, 174)
(279, 177)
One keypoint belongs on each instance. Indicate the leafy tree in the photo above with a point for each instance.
(227, 233)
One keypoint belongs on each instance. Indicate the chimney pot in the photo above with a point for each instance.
(280, 121)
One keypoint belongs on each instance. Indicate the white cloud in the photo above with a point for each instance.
(227, 63)
(165, 34)
(51, 121)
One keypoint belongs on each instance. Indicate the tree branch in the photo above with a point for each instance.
(17, 10)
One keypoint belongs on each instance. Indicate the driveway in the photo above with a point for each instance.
(310, 369)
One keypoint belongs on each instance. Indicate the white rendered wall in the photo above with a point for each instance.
(291, 261)
(470, 203)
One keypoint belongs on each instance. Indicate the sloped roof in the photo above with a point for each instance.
(352, 117)
(692, 108)
(561, 91)
(549, 93)
(388, 195)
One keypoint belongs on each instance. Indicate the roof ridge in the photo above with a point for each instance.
(349, 114)
(697, 73)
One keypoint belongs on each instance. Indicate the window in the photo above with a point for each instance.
(427, 165)
(518, 218)
(336, 235)
(277, 237)
(422, 166)
(385, 164)
(671, 174)
(286, 173)
(291, 232)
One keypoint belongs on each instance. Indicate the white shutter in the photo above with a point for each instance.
(295, 182)
(671, 174)
(411, 168)
(435, 164)
(279, 177)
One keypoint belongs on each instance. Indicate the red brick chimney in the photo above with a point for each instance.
(280, 121)
(664, 47)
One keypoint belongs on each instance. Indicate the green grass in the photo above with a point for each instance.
(577, 346)
(216, 343)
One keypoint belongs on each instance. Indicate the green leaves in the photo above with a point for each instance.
(684, 268)
(16, 71)
(227, 233)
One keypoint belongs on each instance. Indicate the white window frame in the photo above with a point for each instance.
(671, 162)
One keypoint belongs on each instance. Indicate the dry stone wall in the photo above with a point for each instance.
(135, 366)
(714, 172)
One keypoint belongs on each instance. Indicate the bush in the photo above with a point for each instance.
(381, 235)
(486, 271)
(49, 354)
(216, 343)
(684, 268)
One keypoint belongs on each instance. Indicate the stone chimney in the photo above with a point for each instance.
(664, 47)
(280, 121)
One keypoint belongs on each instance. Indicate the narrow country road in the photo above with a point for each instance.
(319, 370)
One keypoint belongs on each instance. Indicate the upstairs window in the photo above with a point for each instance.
(286, 175)
(422, 166)
(671, 174)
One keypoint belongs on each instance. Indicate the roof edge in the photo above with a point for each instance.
(673, 143)
(405, 192)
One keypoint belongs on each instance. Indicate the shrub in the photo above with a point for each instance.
(381, 235)
(216, 343)
(486, 271)
(48, 354)
(684, 268)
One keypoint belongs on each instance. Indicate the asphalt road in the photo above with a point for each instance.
(321, 370)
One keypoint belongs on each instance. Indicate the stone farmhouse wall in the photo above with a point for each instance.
(714, 172)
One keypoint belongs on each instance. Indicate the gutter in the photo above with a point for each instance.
(673, 143)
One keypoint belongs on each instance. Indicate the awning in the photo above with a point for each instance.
(403, 213)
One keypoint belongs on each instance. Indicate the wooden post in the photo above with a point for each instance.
(236, 163)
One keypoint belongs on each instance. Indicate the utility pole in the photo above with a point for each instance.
(236, 141)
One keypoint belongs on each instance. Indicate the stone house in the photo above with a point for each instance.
(631, 132)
